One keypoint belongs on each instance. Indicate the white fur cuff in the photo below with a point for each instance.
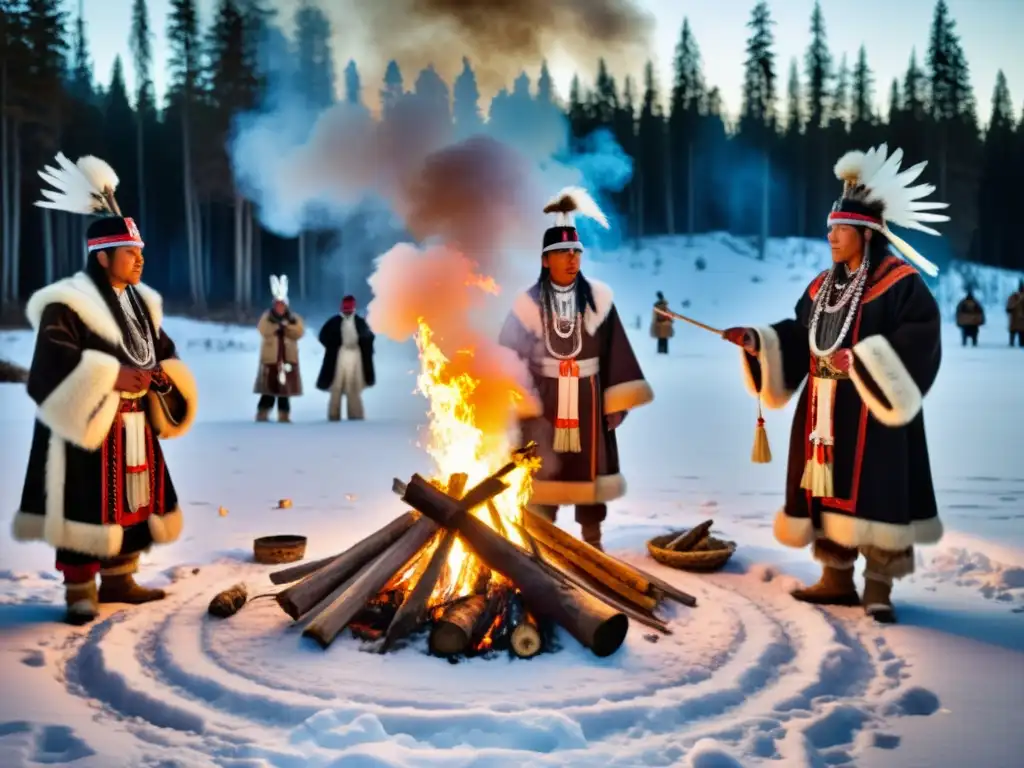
(185, 383)
(883, 365)
(773, 392)
(627, 396)
(166, 528)
(83, 406)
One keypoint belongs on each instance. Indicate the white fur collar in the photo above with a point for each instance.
(80, 294)
(527, 310)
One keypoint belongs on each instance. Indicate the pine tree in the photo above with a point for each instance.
(466, 102)
(432, 94)
(688, 80)
(840, 108)
(998, 188)
(606, 97)
(545, 85)
(119, 130)
(650, 160)
(895, 102)
(353, 85)
(315, 65)
(141, 44)
(394, 89)
(757, 114)
(861, 111)
(914, 105)
(80, 84)
(818, 69)
(685, 107)
(794, 102)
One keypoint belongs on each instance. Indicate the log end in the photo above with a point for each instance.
(525, 641)
(447, 640)
(288, 605)
(610, 635)
(321, 639)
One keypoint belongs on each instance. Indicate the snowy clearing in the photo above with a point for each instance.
(749, 677)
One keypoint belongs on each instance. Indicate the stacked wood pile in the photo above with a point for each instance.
(383, 588)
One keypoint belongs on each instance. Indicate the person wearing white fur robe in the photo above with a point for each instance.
(108, 387)
(586, 376)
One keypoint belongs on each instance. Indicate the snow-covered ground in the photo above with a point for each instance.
(749, 677)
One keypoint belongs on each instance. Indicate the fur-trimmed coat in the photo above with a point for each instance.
(884, 496)
(279, 336)
(1015, 311)
(74, 492)
(592, 476)
(361, 364)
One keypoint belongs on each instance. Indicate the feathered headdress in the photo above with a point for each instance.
(85, 187)
(279, 288)
(567, 203)
(876, 192)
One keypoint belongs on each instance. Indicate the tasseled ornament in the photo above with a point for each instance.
(762, 452)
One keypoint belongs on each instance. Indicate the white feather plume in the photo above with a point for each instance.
(576, 200)
(279, 288)
(879, 174)
(85, 187)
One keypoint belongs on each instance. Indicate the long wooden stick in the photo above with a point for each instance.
(685, 319)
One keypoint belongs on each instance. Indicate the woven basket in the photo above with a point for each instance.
(275, 550)
(710, 555)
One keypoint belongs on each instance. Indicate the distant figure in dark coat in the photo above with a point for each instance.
(969, 318)
(662, 328)
(1015, 312)
(348, 361)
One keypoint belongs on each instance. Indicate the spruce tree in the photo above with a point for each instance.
(353, 84)
(818, 69)
(861, 109)
(794, 102)
(315, 73)
(393, 90)
(466, 102)
(758, 111)
(997, 190)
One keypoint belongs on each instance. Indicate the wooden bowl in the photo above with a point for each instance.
(273, 550)
(710, 555)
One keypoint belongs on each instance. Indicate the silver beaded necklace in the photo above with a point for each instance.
(138, 346)
(563, 316)
(849, 299)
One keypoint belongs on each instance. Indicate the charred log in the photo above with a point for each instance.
(453, 632)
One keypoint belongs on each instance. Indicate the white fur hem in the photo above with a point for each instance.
(891, 377)
(850, 531)
(83, 406)
(185, 383)
(527, 311)
(80, 294)
(562, 493)
(773, 392)
(627, 396)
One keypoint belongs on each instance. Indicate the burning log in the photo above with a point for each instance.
(300, 571)
(414, 609)
(326, 626)
(524, 635)
(591, 621)
(491, 630)
(579, 578)
(452, 634)
(372, 620)
(298, 599)
(639, 579)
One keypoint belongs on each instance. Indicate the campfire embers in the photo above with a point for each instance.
(482, 582)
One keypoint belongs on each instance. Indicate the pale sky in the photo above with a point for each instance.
(889, 29)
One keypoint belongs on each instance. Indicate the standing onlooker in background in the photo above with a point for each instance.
(1015, 310)
(661, 326)
(969, 318)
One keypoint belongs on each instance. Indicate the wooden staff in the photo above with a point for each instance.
(685, 319)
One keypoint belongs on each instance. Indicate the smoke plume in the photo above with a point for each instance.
(498, 36)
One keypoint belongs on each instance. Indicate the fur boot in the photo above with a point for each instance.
(263, 414)
(835, 587)
(591, 534)
(117, 583)
(284, 417)
(878, 600)
(83, 606)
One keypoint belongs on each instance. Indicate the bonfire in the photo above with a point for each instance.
(469, 561)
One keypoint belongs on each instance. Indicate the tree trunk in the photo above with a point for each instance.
(239, 215)
(765, 205)
(15, 252)
(140, 166)
(302, 264)
(256, 266)
(670, 167)
(251, 234)
(689, 191)
(5, 200)
(190, 222)
(49, 257)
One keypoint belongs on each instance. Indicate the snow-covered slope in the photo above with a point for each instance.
(749, 677)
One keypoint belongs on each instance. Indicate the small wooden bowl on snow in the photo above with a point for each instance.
(709, 555)
(274, 550)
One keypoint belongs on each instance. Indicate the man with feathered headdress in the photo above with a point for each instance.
(867, 335)
(278, 377)
(108, 384)
(587, 378)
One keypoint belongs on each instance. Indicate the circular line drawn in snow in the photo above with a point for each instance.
(751, 669)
